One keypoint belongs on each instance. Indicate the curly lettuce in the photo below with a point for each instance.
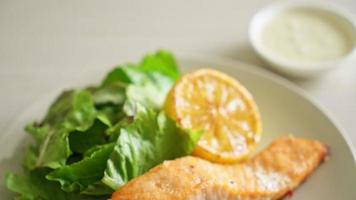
(94, 140)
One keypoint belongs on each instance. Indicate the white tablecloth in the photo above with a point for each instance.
(45, 45)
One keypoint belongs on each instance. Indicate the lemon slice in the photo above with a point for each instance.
(219, 105)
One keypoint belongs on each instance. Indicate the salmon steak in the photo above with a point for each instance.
(271, 174)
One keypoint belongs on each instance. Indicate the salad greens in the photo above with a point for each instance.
(94, 140)
(72, 111)
(146, 142)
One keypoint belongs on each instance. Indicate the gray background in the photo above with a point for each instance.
(45, 45)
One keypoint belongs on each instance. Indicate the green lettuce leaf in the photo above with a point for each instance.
(149, 140)
(80, 142)
(51, 152)
(98, 189)
(110, 94)
(78, 176)
(162, 62)
(34, 186)
(147, 82)
(151, 92)
(109, 100)
(72, 111)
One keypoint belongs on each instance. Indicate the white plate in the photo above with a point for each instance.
(284, 108)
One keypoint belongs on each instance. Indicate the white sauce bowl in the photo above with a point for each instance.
(295, 67)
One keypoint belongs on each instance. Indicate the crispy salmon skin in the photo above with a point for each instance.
(271, 174)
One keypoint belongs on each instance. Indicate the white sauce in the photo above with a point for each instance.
(306, 36)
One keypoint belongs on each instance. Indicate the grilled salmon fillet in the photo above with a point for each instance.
(271, 174)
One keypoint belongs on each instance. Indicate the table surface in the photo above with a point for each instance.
(46, 44)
